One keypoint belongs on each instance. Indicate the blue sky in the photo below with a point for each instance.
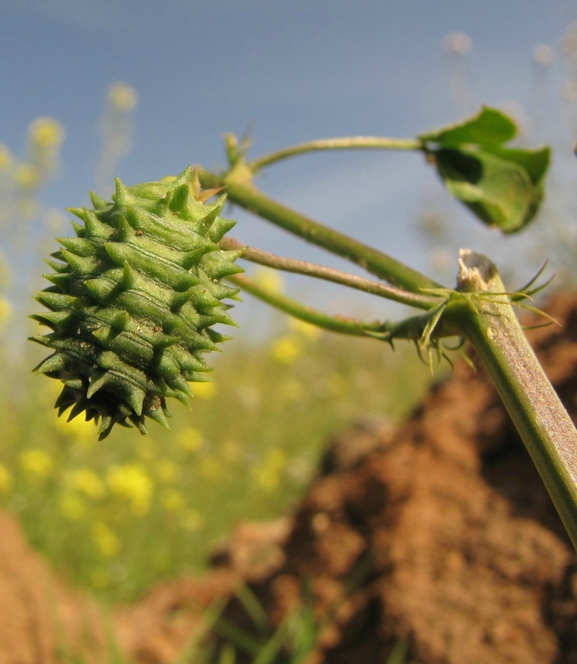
(289, 70)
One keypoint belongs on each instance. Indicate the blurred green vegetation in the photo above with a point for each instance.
(118, 515)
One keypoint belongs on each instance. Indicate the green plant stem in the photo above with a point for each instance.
(383, 266)
(329, 274)
(344, 143)
(541, 419)
(340, 324)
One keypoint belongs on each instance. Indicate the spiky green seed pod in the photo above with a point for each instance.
(134, 300)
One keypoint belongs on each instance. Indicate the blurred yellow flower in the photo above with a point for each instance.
(123, 97)
(72, 506)
(6, 158)
(167, 470)
(5, 311)
(269, 474)
(132, 483)
(27, 176)
(86, 481)
(204, 390)
(286, 349)
(36, 463)
(192, 520)
(45, 133)
(270, 279)
(6, 480)
(190, 439)
(172, 500)
(305, 329)
(83, 432)
(107, 542)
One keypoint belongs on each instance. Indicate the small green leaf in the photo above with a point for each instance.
(499, 192)
(489, 126)
(502, 186)
(535, 161)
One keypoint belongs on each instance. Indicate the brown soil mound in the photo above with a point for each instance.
(40, 621)
(437, 539)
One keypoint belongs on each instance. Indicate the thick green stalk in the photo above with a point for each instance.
(488, 321)
(344, 143)
(250, 198)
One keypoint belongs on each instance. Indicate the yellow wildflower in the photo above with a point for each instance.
(132, 483)
(6, 158)
(83, 432)
(172, 500)
(36, 463)
(72, 506)
(46, 133)
(269, 279)
(86, 481)
(122, 97)
(5, 311)
(190, 439)
(6, 480)
(105, 539)
(269, 474)
(304, 329)
(204, 390)
(286, 349)
(27, 176)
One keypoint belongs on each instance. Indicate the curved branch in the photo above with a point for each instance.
(329, 274)
(345, 143)
(340, 324)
